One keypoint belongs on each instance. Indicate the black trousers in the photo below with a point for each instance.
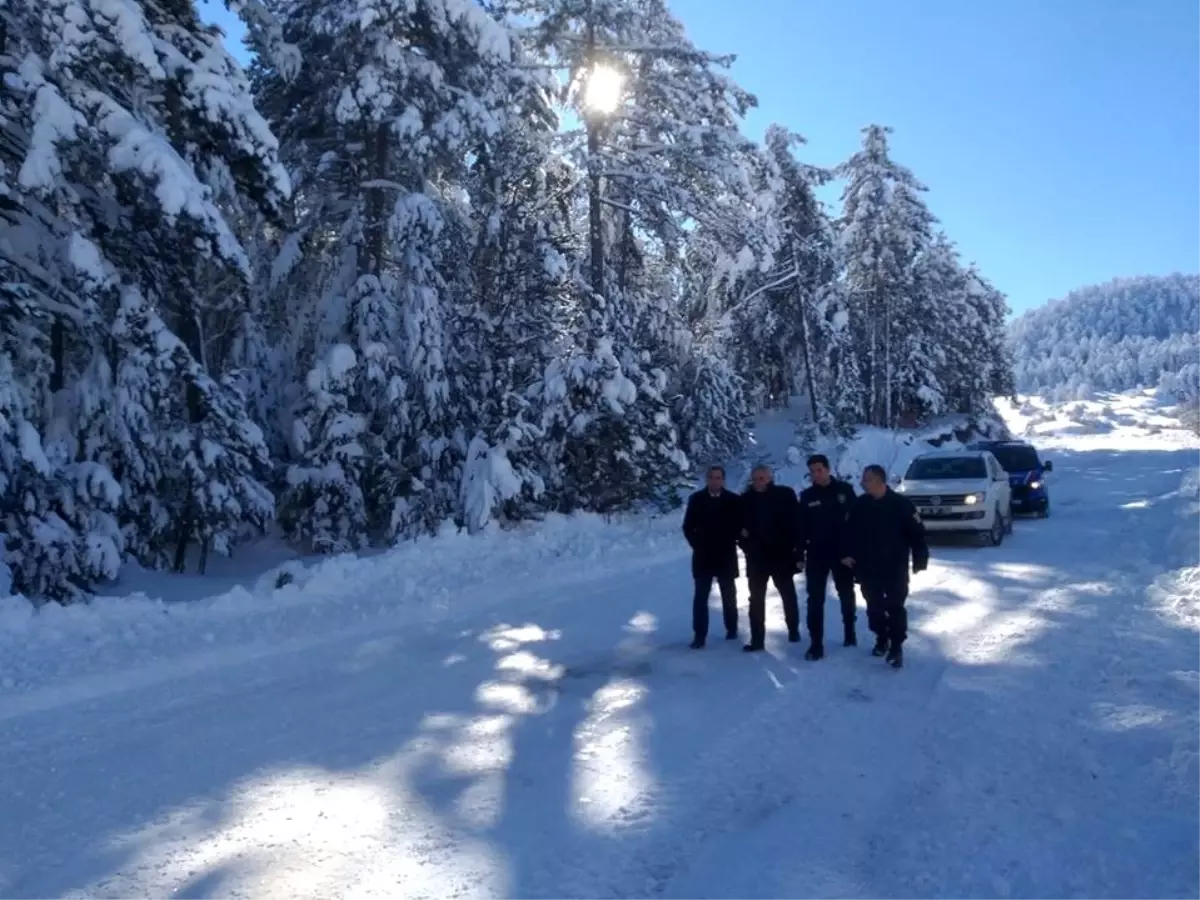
(886, 614)
(729, 610)
(816, 575)
(757, 581)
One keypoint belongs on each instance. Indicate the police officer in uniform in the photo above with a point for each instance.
(824, 509)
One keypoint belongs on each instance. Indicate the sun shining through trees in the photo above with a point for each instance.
(603, 90)
(422, 300)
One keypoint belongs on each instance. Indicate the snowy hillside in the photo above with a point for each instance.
(516, 715)
(1128, 333)
(1142, 417)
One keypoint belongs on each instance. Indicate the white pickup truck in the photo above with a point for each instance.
(960, 490)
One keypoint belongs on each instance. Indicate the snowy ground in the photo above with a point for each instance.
(516, 716)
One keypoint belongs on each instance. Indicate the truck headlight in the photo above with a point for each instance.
(1034, 485)
(972, 499)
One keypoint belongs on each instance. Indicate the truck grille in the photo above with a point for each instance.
(938, 499)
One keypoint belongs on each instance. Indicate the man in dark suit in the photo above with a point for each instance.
(770, 540)
(711, 526)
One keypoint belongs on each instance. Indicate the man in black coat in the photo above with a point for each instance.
(824, 509)
(883, 531)
(769, 540)
(711, 526)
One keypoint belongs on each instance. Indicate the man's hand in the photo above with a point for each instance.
(920, 566)
(800, 561)
(848, 562)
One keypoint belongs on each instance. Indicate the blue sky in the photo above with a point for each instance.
(1060, 139)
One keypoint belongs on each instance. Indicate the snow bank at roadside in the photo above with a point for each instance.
(426, 583)
(1176, 594)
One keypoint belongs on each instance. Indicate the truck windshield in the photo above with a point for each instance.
(935, 467)
(1016, 459)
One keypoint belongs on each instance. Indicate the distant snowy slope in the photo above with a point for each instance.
(1129, 333)
(1131, 420)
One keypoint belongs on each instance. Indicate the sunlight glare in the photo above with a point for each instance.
(602, 93)
(302, 832)
(643, 623)
(504, 638)
(506, 697)
(524, 664)
(609, 781)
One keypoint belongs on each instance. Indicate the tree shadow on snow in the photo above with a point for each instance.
(1033, 746)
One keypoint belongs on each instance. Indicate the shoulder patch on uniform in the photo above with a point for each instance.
(841, 498)
(814, 502)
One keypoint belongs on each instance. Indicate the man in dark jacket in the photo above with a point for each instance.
(769, 540)
(824, 509)
(884, 529)
(711, 525)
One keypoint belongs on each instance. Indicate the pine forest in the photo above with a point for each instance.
(424, 264)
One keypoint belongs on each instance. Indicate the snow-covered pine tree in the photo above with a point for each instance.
(324, 506)
(989, 308)
(713, 410)
(885, 228)
(143, 137)
(789, 309)
(928, 333)
(914, 318)
(57, 523)
(188, 458)
(526, 307)
(654, 156)
(379, 125)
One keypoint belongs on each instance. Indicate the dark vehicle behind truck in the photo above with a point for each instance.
(1026, 474)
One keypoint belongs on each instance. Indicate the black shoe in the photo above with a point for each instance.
(752, 648)
(815, 652)
(881, 646)
(895, 657)
(851, 639)
(731, 635)
(697, 644)
(794, 637)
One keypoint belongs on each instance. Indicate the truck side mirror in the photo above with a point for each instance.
(1048, 466)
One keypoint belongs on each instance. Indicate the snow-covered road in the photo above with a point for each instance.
(558, 740)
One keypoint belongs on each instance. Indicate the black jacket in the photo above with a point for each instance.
(711, 526)
(881, 535)
(771, 543)
(823, 515)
